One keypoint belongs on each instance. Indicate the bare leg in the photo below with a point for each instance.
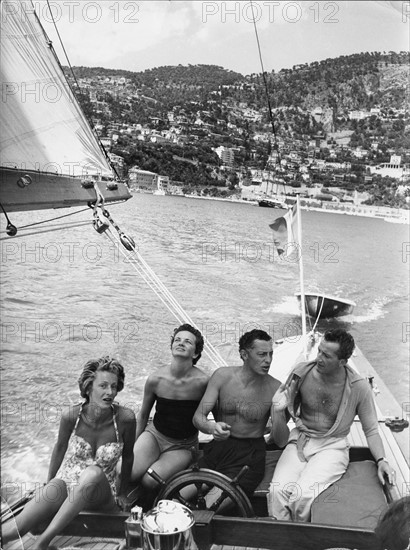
(168, 464)
(93, 491)
(41, 508)
(146, 452)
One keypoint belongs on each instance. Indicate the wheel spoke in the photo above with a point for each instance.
(214, 507)
(205, 481)
(200, 498)
(181, 499)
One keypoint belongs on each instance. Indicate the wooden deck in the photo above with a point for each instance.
(68, 543)
(356, 438)
(82, 543)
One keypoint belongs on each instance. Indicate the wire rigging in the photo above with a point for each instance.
(264, 78)
(55, 218)
(11, 229)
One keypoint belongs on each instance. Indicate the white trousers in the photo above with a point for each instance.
(303, 473)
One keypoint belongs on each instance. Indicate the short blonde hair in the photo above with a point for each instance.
(90, 369)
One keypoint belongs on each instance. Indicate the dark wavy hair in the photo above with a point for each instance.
(393, 529)
(344, 339)
(104, 364)
(247, 339)
(199, 339)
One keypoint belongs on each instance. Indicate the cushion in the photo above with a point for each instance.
(357, 499)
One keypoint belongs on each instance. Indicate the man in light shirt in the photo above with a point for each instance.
(323, 397)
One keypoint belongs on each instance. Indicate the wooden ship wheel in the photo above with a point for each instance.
(203, 489)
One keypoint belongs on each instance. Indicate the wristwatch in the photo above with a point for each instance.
(383, 458)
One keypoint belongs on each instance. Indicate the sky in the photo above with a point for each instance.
(138, 35)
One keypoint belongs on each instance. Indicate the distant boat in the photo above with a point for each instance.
(323, 306)
(272, 203)
(397, 219)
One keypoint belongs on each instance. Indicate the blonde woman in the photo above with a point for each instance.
(92, 437)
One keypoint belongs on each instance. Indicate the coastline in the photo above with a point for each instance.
(394, 215)
(385, 213)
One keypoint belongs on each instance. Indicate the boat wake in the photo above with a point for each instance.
(27, 468)
(288, 306)
(375, 310)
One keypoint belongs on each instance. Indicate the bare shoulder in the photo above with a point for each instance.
(70, 414)
(125, 414)
(224, 374)
(153, 380)
(273, 383)
(201, 376)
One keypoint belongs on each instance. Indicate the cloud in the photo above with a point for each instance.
(137, 35)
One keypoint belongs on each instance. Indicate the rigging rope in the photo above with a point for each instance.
(275, 145)
(56, 218)
(11, 230)
(49, 230)
(318, 316)
(157, 286)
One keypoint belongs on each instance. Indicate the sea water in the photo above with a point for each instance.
(69, 295)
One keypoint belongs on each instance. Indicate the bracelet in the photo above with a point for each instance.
(380, 460)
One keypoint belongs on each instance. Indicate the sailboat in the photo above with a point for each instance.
(32, 142)
(271, 199)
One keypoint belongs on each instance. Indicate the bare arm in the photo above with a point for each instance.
(383, 467)
(368, 418)
(219, 430)
(67, 423)
(129, 423)
(147, 404)
(279, 432)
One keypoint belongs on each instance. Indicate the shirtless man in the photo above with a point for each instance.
(322, 397)
(240, 399)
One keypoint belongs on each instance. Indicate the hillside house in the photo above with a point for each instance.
(142, 179)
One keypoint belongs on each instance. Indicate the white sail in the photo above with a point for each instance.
(42, 126)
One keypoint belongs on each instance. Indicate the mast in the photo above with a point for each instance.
(301, 273)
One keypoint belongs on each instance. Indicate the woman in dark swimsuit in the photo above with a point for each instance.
(165, 444)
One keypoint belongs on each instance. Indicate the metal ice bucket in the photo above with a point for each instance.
(168, 527)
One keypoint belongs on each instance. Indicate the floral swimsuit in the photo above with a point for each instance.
(79, 456)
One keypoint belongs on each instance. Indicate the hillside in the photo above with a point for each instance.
(355, 105)
(359, 81)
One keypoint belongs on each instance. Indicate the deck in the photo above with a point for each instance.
(396, 449)
(356, 438)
